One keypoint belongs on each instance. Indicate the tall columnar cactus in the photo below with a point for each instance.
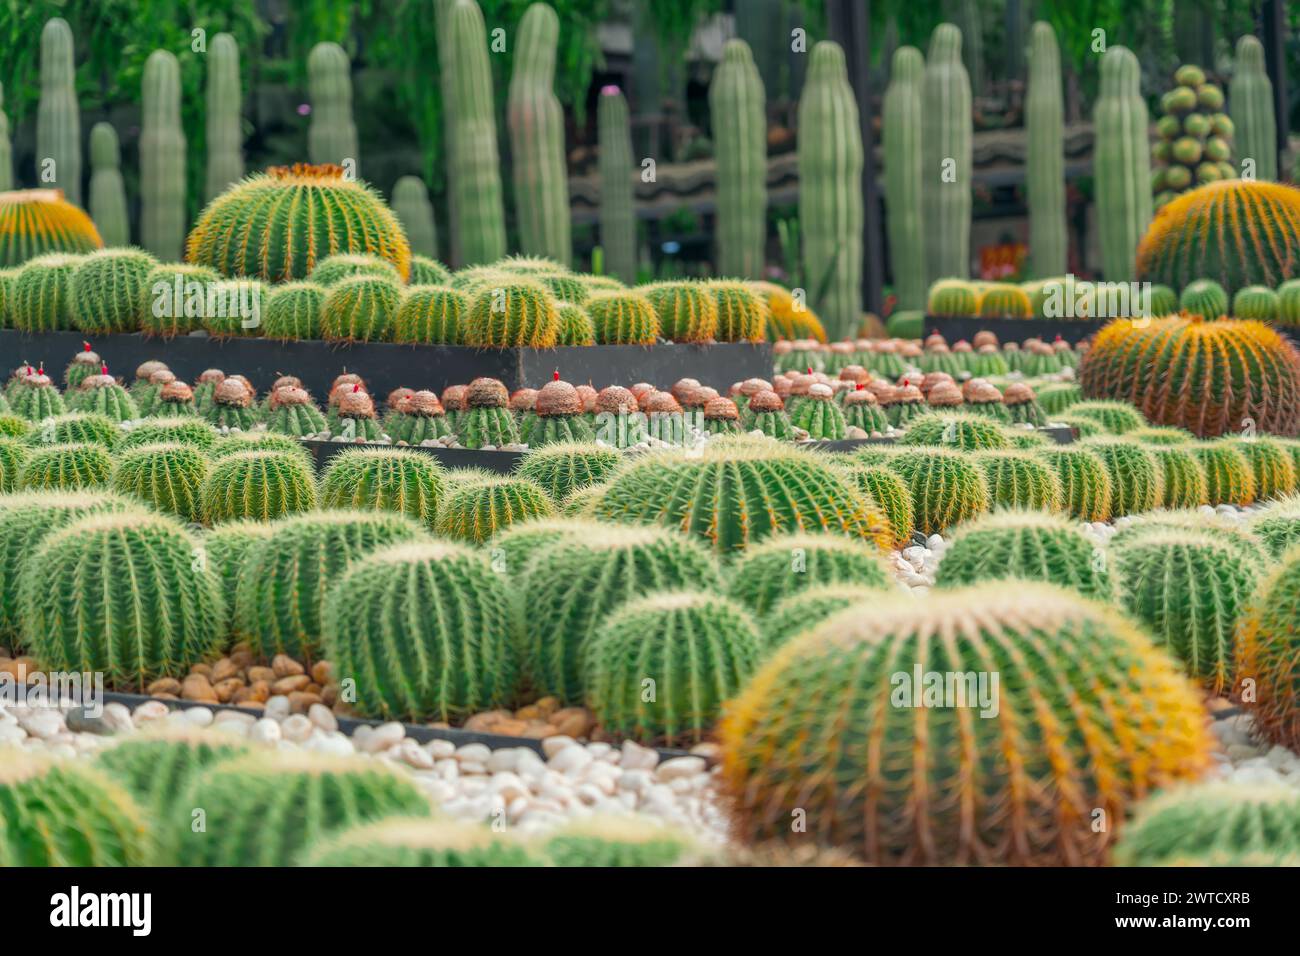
(332, 136)
(58, 117)
(830, 192)
(946, 151)
(617, 208)
(225, 133)
(107, 191)
(867, 760)
(1045, 177)
(536, 123)
(476, 510)
(738, 106)
(473, 161)
(904, 172)
(1250, 102)
(412, 207)
(1026, 546)
(385, 479)
(120, 594)
(1269, 642)
(162, 159)
(455, 658)
(257, 484)
(6, 149)
(786, 564)
(156, 766)
(1122, 162)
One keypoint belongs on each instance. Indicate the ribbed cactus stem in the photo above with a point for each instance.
(58, 117)
(162, 159)
(1250, 98)
(225, 138)
(737, 103)
(830, 192)
(903, 176)
(474, 165)
(446, 69)
(617, 215)
(1122, 163)
(1045, 180)
(6, 149)
(413, 209)
(946, 131)
(107, 191)
(536, 123)
(332, 137)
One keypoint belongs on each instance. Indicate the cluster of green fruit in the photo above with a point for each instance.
(1195, 144)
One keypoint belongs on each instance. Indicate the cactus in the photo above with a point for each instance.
(617, 212)
(1256, 302)
(739, 492)
(946, 157)
(985, 401)
(563, 468)
(332, 136)
(292, 311)
(830, 193)
(904, 175)
(231, 406)
(261, 441)
(227, 548)
(519, 544)
(120, 594)
(786, 564)
(738, 106)
(1044, 124)
(454, 658)
(37, 222)
(1018, 480)
(623, 318)
(186, 431)
(1227, 531)
(1025, 546)
(384, 479)
(1022, 407)
(573, 585)
(946, 487)
(954, 298)
(513, 313)
(410, 202)
(862, 410)
(804, 610)
(765, 413)
(1268, 639)
(1229, 477)
(431, 315)
(1117, 418)
(42, 294)
(1123, 166)
(1279, 527)
(1101, 679)
(1250, 96)
(1182, 480)
(687, 311)
(13, 454)
(427, 271)
(177, 298)
(1134, 472)
(87, 427)
(339, 215)
(1161, 435)
(156, 766)
(1004, 301)
(819, 416)
(576, 326)
(58, 116)
(162, 159)
(956, 430)
(1270, 464)
(108, 291)
(478, 223)
(312, 796)
(1205, 298)
(293, 413)
(166, 477)
(420, 419)
(476, 510)
(1057, 398)
(6, 150)
(788, 317)
(11, 426)
(257, 484)
(698, 649)
(335, 268)
(70, 467)
(890, 494)
(617, 841)
(400, 842)
(60, 813)
(536, 123)
(225, 137)
(558, 417)
(742, 311)
(36, 399)
(360, 309)
(107, 191)
(1189, 590)
(101, 395)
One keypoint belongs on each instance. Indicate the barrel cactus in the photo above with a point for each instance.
(765, 412)
(862, 410)
(257, 484)
(489, 420)
(431, 315)
(81, 427)
(227, 547)
(384, 479)
(68, 466)
(108, 292)
(419, 842)
(1268, 640)
(187, 431)
(955, 430)
(788, 563)
(1229, 478)
(42, 294)
(742, 311)
(559, 417)
(292, 412)
(1270, 464)
(1134, 472)
(12, 456)
(1256, 302)
(232, 406)
(819, 416)
(177, 298)
(1057, 398)
(623, 318)
(1279, 526)
(360, 309)
(1117, 418)
(687, 311)
(421, 418)
(1206, 298)
(292, 311)
(563, 468)
(476, 510)
(511, 312)
(1025, 546)
(890, 494)
(946, 487)
(1018, 480)
(1182, 479)
(335, 268)
(156, 765)
(35, 222)
(167, 477)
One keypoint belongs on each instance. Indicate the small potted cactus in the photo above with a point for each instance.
(559, 416)
(83, 365)
(356, 416)
(488, 421)
(765, 412)
(417, 419)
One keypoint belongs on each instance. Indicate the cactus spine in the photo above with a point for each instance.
(1123, 163)
(946, 128)
(225, 138)
(415, 212)
(475, 173)
(332, 137)
(1044, 119)
(107, 192)
(162, 160)
(617, 215)
(830, 192)
(1250, 97)
(536, 123)
(58, 117)
(903, 174)
(738, 106)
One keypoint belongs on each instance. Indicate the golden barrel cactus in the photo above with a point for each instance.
(34, 222)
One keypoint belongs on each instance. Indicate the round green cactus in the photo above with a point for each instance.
(292, 312)
(42, 294)
(953, 298)
(11, 426)
(1022, 406)
(955, 430)
(67, 466)
(697, 649)
(385, 479)
(1117, 418)
(422, 418)
(563, 468)
(488, 420)
(293, 413)
(37, 401)
(1134, 473)
(512, 312)
(1256, 302)
(360, 309)
(59, 813)
(623, 318)
(804, 610)
(623, 841)
(1057, 398)
(232, 407)
(1086, 491)
(1026, 546)
(1229, 477)
(819, 416)
(227, 445)
(176, 298)
(1161, 435)
(476, 510)
(282, 590)
(1279, 527)
(862, 762)
(78, 427)
(687, 311)
(788, 563)
(1190, 591)
(557, 417)
(517, 545)
(1271, 465)
(891, 495)
(167, 477)
(109, 291)
(155, 766)
(742, 311)
(947, 488)
(426, 271)
(257, 484)
(765, 413)
(414, 842)
(1003, 300)
(1204, 297)
(121, 594)
(861, 410)
(425, 630)
(1017, 479)
(345, 265)
(576, 326)
(1164, 300)
(1268, 647)
(572, 586)
(233, 307)
(13, 454)
(431, 315)
(84, 364)
(1228, 531)
(227, 547)
(187, 431)
(100, 395)
(1182, 480)
(310, 796)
